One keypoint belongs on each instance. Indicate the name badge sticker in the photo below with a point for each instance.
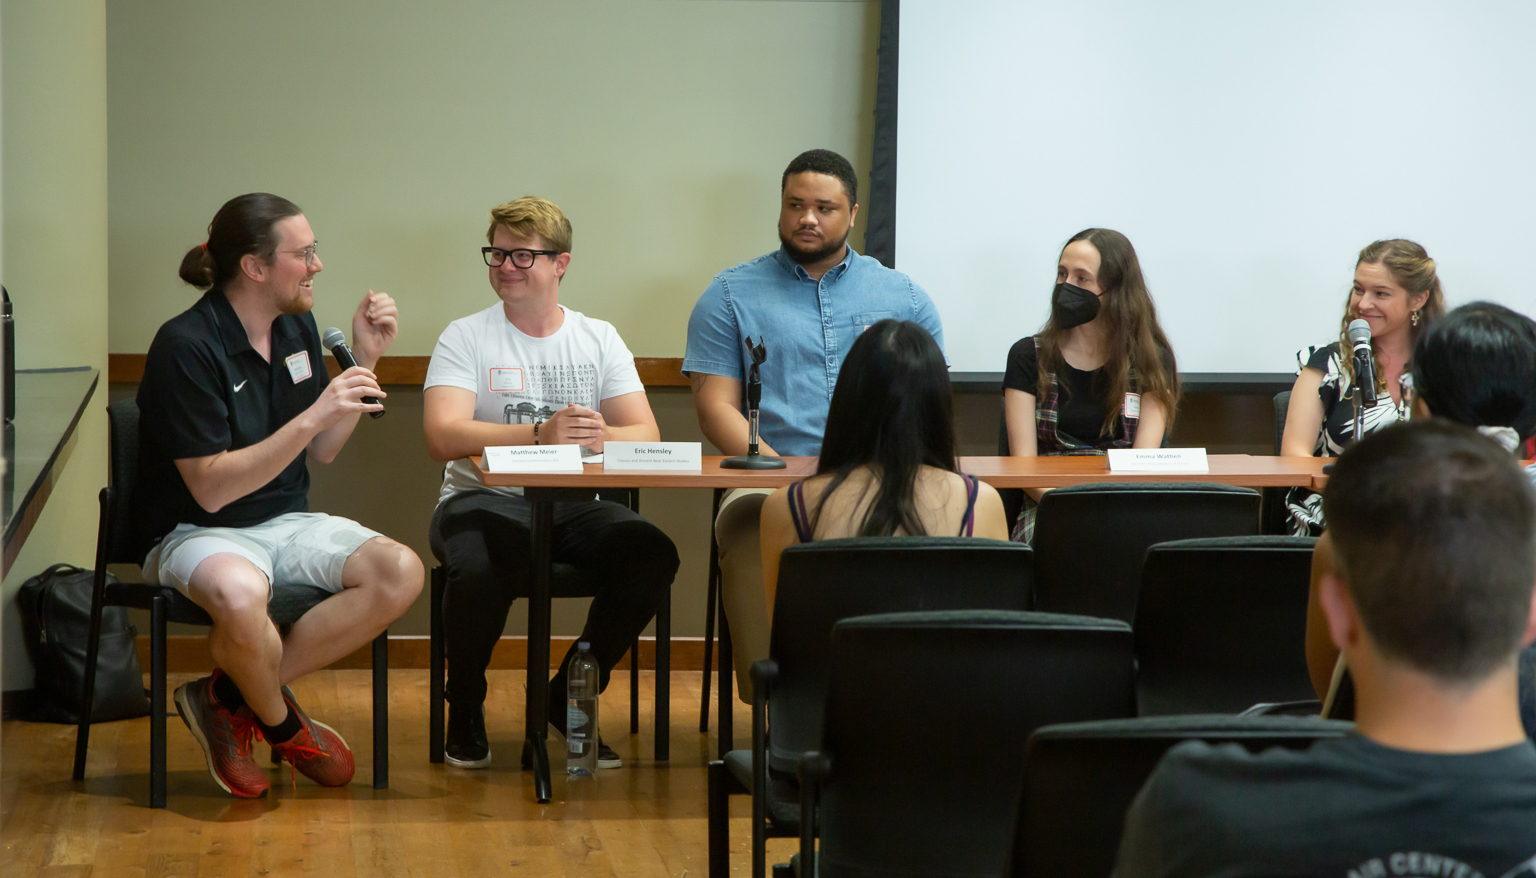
(506, 379)
(653, 456)
(298, 366)
(533, 459)
(1158, 460)
(1132, 408)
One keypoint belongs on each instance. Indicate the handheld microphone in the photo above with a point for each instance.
(1365, 364)
(337, 343)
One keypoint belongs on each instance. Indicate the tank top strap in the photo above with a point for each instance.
(968, 521)
(797, 512)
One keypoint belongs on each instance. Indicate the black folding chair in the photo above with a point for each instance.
(821, 583)
(114, 546)
(566, 581)
(922, 752)
(1221, 623)
(1276, 521)
(1090, 540)
(1080, 778)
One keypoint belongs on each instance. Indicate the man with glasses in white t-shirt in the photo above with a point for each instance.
(529, 371)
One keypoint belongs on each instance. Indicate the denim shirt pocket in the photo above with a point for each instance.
(867, 319)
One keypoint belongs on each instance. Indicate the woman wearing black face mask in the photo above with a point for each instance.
(1100, 374)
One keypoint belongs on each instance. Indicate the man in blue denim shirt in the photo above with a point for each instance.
(807, 301)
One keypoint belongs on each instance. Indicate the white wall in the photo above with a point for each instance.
(1248, 151)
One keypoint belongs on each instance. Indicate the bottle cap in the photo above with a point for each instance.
(583, 645)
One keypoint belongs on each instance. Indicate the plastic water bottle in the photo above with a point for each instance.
(581, 713)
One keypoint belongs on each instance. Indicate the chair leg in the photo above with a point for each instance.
(719, 821)
(664, 677)
(381, 711)
(709, 610)
(726, 678)
(634, 687)
(93, 636)
(438, 650)
(157, 702)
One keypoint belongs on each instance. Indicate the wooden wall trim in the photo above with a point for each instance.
(654, 371)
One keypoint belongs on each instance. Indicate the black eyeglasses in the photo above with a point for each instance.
(521, 258)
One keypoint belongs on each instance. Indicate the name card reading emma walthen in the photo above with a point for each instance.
(1158, 460)
(666, 456)
(533, 458)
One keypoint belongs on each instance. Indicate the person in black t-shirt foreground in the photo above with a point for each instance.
(234, 400)
(1434, 536)
(1100, 374)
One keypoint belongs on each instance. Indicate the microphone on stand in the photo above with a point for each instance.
(337, 343)
(754, 459)
(1365, 363)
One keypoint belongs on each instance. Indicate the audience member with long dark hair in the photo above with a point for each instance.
(1101, 373)
(887, 465)
(1396, 291)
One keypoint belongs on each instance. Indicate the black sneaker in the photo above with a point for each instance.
(467, 745)
(606, 757)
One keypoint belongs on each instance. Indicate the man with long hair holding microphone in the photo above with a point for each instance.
(233, 403)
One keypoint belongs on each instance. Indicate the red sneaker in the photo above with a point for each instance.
(226, 738)
(317, 751)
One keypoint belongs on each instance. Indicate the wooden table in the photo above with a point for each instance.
(542, 490)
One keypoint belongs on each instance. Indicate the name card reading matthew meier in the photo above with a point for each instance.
(653, 456)
(533, 459)
(1158, 460)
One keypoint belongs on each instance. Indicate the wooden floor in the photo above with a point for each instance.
(646, 819)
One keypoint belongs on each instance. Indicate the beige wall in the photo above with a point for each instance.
(661, 127)
(53, 158)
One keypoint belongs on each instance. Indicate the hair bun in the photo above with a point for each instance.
(197, 267)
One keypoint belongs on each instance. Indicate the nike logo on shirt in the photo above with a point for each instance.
(240, 385)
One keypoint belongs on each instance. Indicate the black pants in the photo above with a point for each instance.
(484, 541)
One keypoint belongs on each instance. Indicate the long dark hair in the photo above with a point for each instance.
(244, 225)
(1132, 335)
(1477, 366)
(891, 411)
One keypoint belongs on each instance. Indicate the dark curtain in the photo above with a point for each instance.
(880, 228)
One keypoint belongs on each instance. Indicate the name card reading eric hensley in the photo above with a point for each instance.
(533, 458)
(653, 456)
(1158, 460)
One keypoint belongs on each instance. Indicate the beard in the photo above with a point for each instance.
(807, 257)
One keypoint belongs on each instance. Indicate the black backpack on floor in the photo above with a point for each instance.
(56, 617)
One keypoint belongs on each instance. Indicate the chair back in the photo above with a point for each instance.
(821, 583)
(1221, 623)
(1080, 779)
(1090, 540)
(118, 535)
(926, 719)
(1282, 406)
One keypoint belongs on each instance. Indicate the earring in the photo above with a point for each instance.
(1414, 319)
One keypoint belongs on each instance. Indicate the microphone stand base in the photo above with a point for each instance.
(753, 461)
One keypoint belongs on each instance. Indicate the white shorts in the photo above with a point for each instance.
(300, 548)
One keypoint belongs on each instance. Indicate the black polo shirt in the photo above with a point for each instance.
(206, 390)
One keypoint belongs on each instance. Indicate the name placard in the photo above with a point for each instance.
(653, 456)
(533, 458)
(1158, 460)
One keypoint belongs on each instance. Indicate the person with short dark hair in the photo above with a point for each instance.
(1475, 366)
(887, 465)
(1434, 534)
(807, 302)
(233, 403)
(530, 371)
